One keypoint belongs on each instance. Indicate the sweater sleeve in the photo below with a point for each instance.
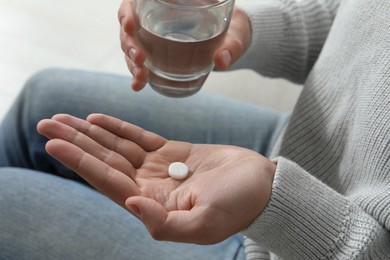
(287, 36)
(305, 219)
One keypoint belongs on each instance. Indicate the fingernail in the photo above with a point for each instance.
(132, 53)
(121, 22)
(135, 210)
(226, 58)
(134, 71)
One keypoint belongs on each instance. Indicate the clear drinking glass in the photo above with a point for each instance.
(180, 38)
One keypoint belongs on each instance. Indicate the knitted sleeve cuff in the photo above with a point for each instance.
(305, 219)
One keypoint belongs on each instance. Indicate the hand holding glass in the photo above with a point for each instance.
(180, 38)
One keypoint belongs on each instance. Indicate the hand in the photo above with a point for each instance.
(227, 186)
(134, 54)
(236, 42)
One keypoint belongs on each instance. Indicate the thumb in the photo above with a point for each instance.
(147, 210)
(150, 212)
(178, 225)
(237, 40)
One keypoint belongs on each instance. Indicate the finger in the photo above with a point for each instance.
(146, 140)
(140, 74)
(135, 56)
(129, 150)
(109, 181)
(236, 41)
(135, 70)
(56, 130)
(125, 17)
(188, 226)
(137, 85)
(132, 48)
(129, 43)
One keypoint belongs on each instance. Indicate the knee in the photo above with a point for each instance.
(43, 80)
(11, 177)
(39, 96)
(47, 90)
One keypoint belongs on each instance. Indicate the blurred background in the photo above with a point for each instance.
(84, 34)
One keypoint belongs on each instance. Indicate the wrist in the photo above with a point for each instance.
(263, 184)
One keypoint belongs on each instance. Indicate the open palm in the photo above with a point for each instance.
(227, 186)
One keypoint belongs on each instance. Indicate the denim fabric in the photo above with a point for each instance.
(45, 210)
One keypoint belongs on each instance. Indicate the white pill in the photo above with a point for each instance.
(178, 170)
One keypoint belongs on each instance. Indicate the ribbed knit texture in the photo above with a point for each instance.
(331, 194)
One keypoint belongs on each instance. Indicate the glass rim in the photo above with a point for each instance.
(192, 6)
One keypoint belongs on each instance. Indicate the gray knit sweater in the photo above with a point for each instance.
(331, 194)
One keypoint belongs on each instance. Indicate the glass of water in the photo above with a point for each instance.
(180, 38)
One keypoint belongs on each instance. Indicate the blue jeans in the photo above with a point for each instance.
(48, 212)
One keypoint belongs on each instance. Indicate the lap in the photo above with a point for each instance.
(48, 217)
